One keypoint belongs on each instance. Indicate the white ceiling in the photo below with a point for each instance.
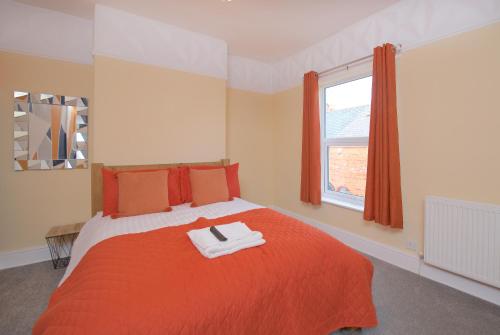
(267, 30)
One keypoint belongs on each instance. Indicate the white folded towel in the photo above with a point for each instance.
(238, 235)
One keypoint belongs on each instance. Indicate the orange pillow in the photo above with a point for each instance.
(233, 182)
(208, 186)
(110, 188)
(142, 193)
(109, 192)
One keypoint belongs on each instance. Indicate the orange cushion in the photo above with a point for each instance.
(142, 193)
(208, 186)
(233, 182)
(109, 192)
(110, 189)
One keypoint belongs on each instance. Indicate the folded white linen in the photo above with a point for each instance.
(238, 235)
(228, 251)
(233, 231)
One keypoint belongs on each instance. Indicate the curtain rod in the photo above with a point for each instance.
(359, 60)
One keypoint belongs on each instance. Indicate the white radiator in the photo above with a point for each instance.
(463, 237)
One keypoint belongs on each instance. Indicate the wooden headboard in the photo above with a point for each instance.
(96, 182)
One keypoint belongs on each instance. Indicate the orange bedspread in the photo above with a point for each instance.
(301, 282)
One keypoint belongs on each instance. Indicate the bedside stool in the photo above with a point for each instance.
(60, 241)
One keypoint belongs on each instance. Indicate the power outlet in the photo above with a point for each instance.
(412, 245)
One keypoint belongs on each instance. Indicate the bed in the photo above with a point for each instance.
(142, 275)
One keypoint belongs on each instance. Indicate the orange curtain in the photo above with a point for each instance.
(310, 185)
(383, 202)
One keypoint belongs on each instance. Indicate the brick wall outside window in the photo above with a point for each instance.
(347, 169)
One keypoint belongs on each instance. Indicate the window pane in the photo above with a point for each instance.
(347, 169)
(347, 109)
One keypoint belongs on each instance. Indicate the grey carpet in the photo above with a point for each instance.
(24, 294)
(407, 304)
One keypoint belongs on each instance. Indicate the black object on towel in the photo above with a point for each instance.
(218, 234)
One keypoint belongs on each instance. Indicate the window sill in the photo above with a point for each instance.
(342, 204)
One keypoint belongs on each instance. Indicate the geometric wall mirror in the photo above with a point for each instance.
(50, 131)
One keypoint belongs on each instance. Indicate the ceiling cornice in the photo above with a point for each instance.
(413, 23)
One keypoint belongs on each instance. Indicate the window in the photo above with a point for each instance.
(345, 108)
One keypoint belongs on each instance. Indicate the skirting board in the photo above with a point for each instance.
(402, 260)
(21, 257)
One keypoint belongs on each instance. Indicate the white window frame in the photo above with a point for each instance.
(341, 77)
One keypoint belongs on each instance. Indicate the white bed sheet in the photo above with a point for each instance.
(100, 228)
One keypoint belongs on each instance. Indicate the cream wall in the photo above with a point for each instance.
(138, 114)
(250, 142)
(147, 114)
(33, 201)
(449, 130)
(449, 122)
